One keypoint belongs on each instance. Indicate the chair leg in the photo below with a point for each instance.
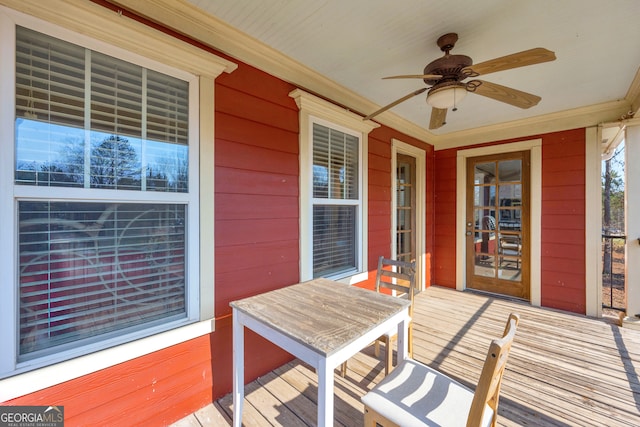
(374, 419)
(376, 348)
(343, 369)
(410, 340)
(388, 346)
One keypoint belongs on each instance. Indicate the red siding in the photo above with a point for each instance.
(563, 221)
(445, 218)
(257, 208)
(177, 378)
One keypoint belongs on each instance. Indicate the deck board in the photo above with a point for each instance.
(564, 369)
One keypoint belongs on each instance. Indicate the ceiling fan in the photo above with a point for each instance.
(445, 76)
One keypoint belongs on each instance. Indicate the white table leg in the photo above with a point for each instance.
(403, 340)
(325, 394)
(238, 370)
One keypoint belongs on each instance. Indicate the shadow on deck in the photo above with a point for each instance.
(564, 369)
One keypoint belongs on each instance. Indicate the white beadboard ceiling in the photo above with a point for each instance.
(357, 42)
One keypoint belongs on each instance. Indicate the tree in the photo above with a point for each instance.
(612, 203)
(613, 192)
(113, 163)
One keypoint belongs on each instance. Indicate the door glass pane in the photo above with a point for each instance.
(404, 173)
(510, 170)
(484, 195)
(485, 173)
(510, 255)
(404, 196)
(404, 219)
(404, 242)
(485, 259)
(510, 206)
(510, 195)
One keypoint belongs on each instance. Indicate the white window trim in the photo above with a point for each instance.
(534, 146)
(316, 110)
(200, 68)
(399, 147)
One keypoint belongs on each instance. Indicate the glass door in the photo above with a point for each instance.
(406, 208)
(498, 224)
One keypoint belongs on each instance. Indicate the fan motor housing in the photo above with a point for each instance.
(449, 67)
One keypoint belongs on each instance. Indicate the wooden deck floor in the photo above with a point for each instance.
(564, 369)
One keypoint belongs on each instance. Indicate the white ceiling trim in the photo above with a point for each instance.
(570, 119)
(633, 94)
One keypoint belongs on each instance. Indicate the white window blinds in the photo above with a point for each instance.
(336, 200)
(91, 270)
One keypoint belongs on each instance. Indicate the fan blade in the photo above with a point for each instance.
(514, 97)
(520, 59)
(438, 117)
(396, 102)
(415, 76)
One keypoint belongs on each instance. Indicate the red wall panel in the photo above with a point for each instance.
(178, 376)
(563, 221)
(445, 218)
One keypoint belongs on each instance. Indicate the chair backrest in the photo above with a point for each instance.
(398, 276)
(489, 223)
(488, 388)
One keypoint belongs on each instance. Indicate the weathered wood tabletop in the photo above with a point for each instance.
(321, 314)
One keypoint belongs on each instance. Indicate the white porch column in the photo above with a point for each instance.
(632, 219)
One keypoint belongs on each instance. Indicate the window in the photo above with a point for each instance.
(105, 195)
(333, 190)
(336, 201)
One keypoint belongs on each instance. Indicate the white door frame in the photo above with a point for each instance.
(399, 147)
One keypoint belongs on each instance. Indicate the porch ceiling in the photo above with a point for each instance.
(354, 44)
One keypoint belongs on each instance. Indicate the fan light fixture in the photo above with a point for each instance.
(446, 97)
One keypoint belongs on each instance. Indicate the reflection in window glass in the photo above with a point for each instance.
(135, 139)
(334, 233)
(89, 269)
(97, 270)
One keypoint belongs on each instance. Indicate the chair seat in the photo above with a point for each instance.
(424, 396)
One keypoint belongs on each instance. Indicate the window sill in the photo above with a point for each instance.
(38, 379)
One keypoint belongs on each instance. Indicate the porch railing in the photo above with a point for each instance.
(613, 279)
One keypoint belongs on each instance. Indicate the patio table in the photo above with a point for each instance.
(321, 322)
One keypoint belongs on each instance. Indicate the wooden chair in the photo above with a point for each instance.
(417, 395)
(399, 278)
